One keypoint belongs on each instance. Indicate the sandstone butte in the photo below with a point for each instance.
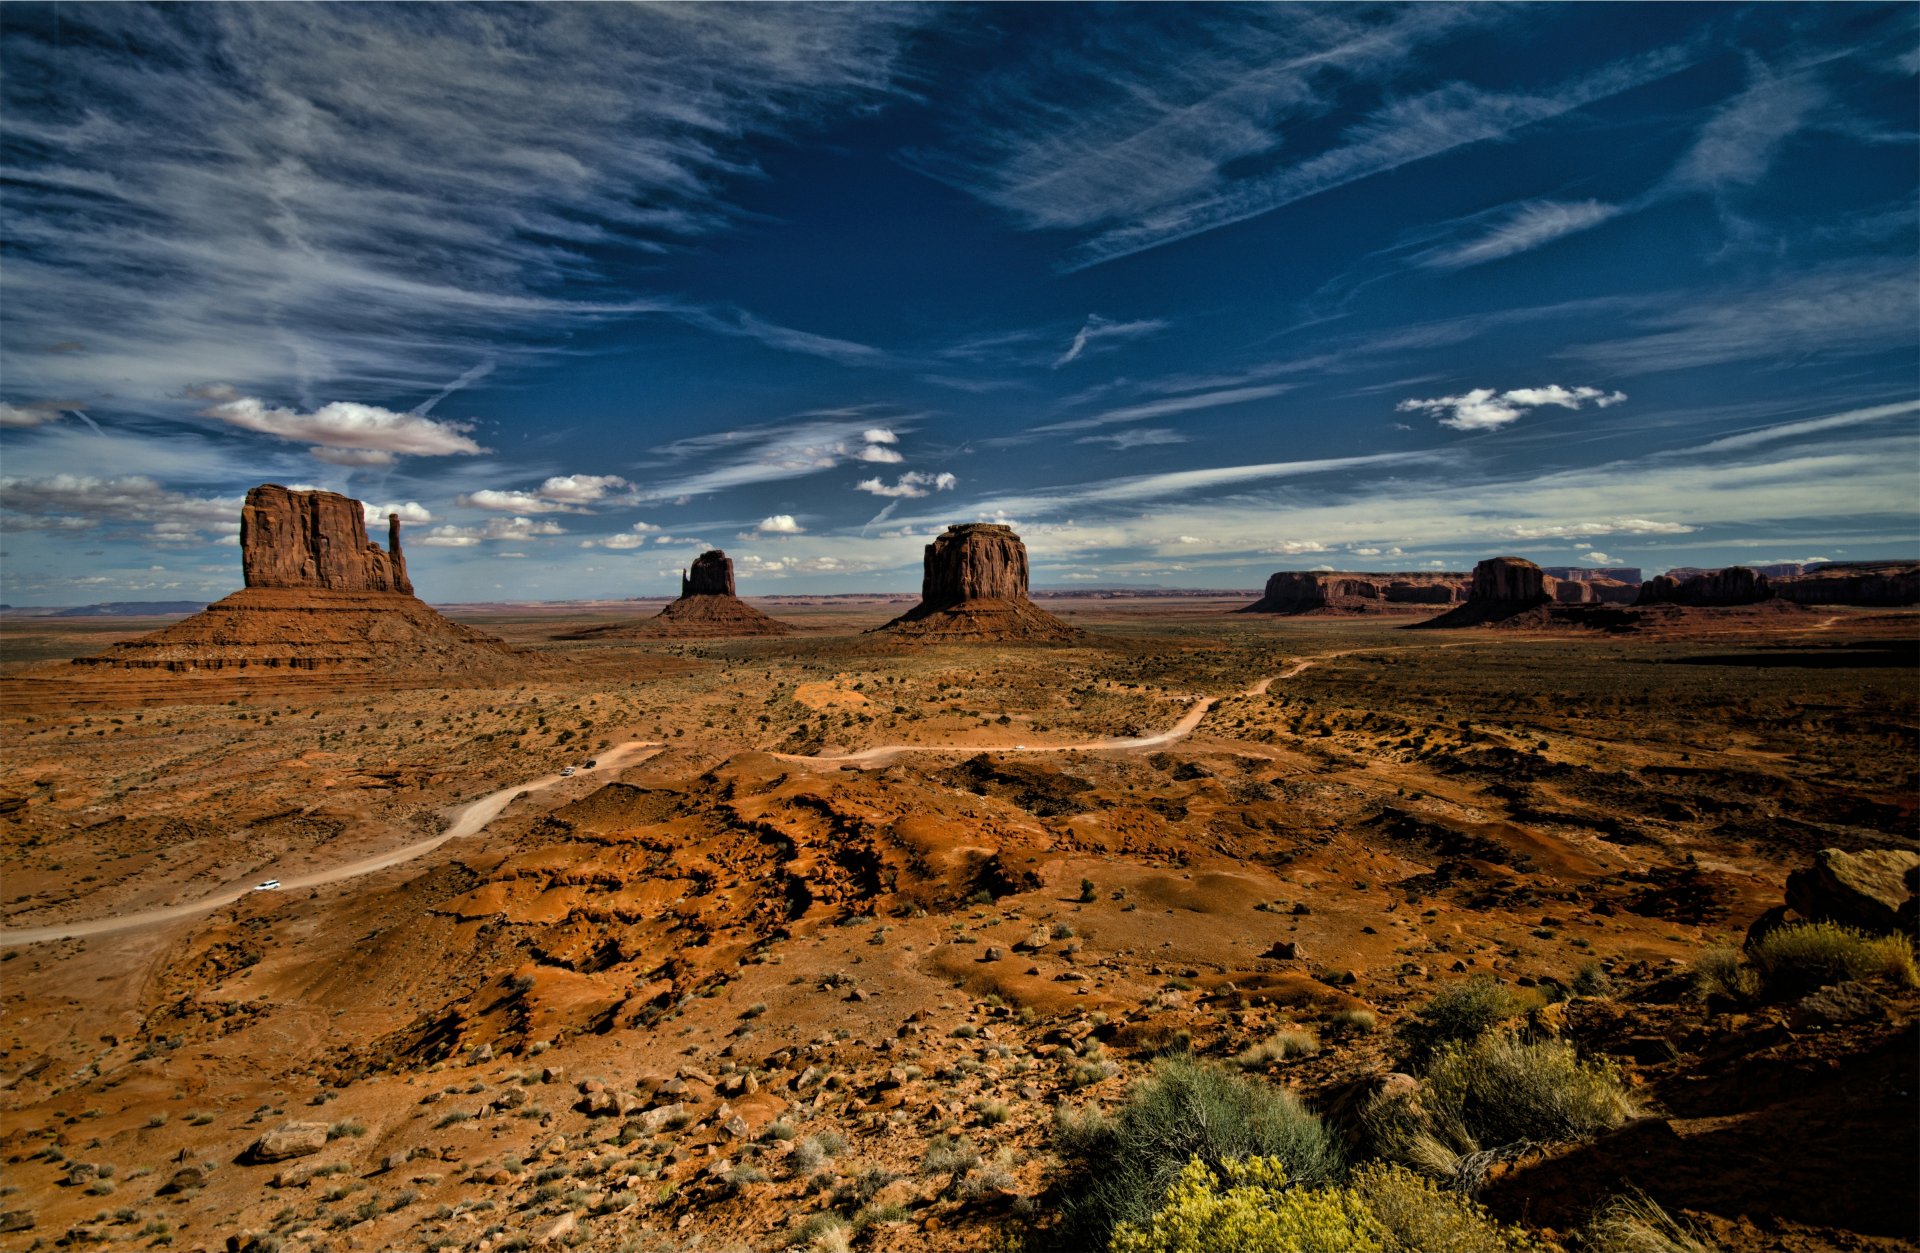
(319, 596)
(974, 587)
(1340, 592)
(708, 607)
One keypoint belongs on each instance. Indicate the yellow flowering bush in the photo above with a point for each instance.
(1254, 1213)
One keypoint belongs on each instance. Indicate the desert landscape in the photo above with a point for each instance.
(836, 936)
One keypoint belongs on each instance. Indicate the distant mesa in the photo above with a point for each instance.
(1501, 588)
(1883, 584)
(1735, 585)
(974, 588)
(707, 608)
(1340, 593)
(1588, 574)
(1594, 592)
(319, 596)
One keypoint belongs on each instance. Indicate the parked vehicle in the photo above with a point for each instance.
(271, 885)
(567, 773)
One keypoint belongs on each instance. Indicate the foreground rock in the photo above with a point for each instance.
(319, 596)
(1342, 593)
(974, 587)
(707, 608)
(289, 1139)
(1872, 889)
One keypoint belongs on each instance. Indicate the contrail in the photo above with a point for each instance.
(89, 421)
(470, 377)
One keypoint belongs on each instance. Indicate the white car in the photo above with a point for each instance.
(271, 885)
(567, 773)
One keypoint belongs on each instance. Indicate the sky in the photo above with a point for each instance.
(1185, 294)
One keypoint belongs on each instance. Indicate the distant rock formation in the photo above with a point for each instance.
(707, 608)
(1735, 585)
(1883, 584)
(318, 540)
(319, 596)
(1594, 592)
(1341, 592)
(974, 587)
(1502, 587)
(1588, 574)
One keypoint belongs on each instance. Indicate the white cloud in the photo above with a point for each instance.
(343, 425)
(779, 524)
(580, 489)
(879, 435)
(633, 537)
(563, 493)
(70, 502)
(1483, 409)
(1097, 332)
(909, 486)
(1152, 437)
(411, 511)
(1528, 226)
(1598, 558)
(880, 454)
(1585, 530)
(509, 502)
(36, 413)
(1294, 547)
(492, 529)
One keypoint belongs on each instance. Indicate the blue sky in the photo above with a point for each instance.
(1186, 294)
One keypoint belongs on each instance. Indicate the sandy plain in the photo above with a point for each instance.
(888, 893)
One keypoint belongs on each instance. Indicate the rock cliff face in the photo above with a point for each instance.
(1594, 592)
(1882, 584)
(710, 575)
(974, 587)
(316, 540)
(1582, 574)
(707, 608)
(1335, 593)
(1502, 588)
(318, 597)
(1735, 585)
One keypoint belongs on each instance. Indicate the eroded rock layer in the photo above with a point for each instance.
(316, 540)
(319, 597)
(974, 587)
(1735, 585)
(707, 608)
(1882, 584)
(1326, 592)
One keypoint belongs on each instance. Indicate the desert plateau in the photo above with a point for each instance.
(721, 627)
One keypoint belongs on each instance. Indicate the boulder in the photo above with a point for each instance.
(289, 1139)
(318, 540)
(974, 587)
(1872, 889)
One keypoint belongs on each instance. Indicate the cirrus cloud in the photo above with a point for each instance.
(369, 433)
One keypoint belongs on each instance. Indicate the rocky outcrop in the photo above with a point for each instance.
(1883, 584)
(1872, 889)
(1502, 588)
(289, 1139)
(974, 587)
(707, 609)
(316, 540)
(711, 574)
(318, 597)
(1735, 585)
(1335, 593)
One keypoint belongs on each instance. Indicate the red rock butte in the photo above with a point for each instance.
(1341, 593)
(707, 608)
(319, 596)
(974, 587)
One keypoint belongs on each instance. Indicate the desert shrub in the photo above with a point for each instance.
(1123, 1165)
(1460, 1012)
(1358, 1021)
(947, 1155)
(1416, 1215)
(1591, 980)
(1281, 1045)
(1635, 1224)
(346, 1127)
(1720, 971)
(1798, 958)
(1493, 1092)
(1255, 1213)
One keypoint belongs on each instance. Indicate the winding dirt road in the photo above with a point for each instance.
(1178, 731)
(468, 820)
(475, 815)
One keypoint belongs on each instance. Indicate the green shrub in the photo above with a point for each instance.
(1461, 1012)
(1122, 1166)
(1799, 958)
(1419, 1216)
(1720, 971)
(1634, 1224)
(1495, 1091)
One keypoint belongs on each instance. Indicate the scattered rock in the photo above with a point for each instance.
(1870, 889)
(1840, 1004)
(290, 1139)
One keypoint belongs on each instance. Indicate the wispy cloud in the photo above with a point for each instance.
(492, 529)
(212, 204)
(1737, 145)
(1165, 408)
(909, 486)
(1152, 437)
(366, 434)
(1524, 228)
(561, 493)
(1098, 333)
(1808, 426)
(1484, 409)
(81, 501)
